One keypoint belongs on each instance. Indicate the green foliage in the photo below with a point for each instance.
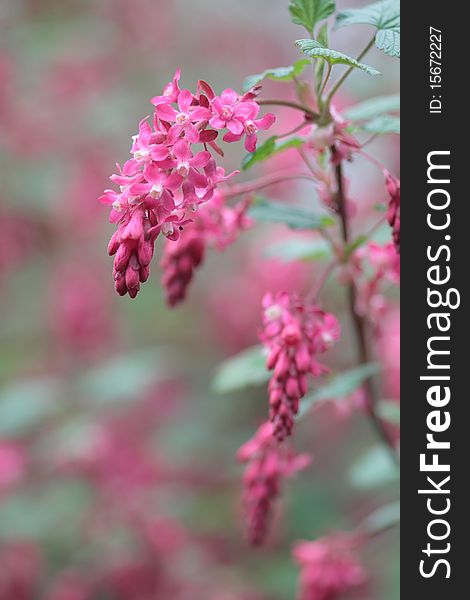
(373, 469)
(339, 385)
(309, 12)
(382, 125)
(385, 16)
(278, 74)
(384, 517)
(314, 49)
(121, 378)
(371, 116)
(270, 147)
(299, 248)
(26, 405)
(295, 217)
(248, 368)
(389, 411)
(373, 108)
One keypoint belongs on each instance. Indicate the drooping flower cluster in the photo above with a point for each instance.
(268, 463)
(294, 334)
(393, 212)
(215, 224)
(328, 567)
(166, 178)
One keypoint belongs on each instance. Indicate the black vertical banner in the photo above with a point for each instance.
(435, 307)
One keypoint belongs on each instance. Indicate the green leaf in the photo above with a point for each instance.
(373, 108)
(382, 125)
(27, 404)
(338, 386)
(333, 57)
(296, 217)
(55, 510)
(248, 368)
(383, 518)
(385, 16)
(373, 469)
(270, 147)
(121, 378)
(309, 12)
(279, 74)
(388, 410)
(299, 249)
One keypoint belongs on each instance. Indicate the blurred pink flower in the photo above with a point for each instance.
(267, 465)
(328, 568)
(80, 311)
(13, 461)
(216, 224)
(20, 570)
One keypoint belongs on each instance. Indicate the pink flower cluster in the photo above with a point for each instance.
(328, 567)
(393, 213)
(166, 177)
(215, 224)
(294, 334)
(268, 464)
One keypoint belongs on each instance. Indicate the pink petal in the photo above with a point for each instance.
(173, 181)
(231, 137)
(174, 134)
(153, 173)
(184, 100)
(145, 131)
(159, 152)
(229, 97)
(206, 89)
(191, 133)
(182, 150)
(166, 112)
(217, 104)
(207, 135)
(109, 197)
(216, 122)
(200, 114)
(197, 179)
(266, 121)
(250, 143)
(235, 126)
(137, 189)
(201, 159)
(246, 110)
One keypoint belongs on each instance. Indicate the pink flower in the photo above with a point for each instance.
(393, 213)
(294, 334)
(250, 128)
(267, 465)
(170, 91)
(385, 263)
(178, 263)
(328, 567)
(164, 179)
(184, 119)
(148, 144)
(230, 112)
(133, 245)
